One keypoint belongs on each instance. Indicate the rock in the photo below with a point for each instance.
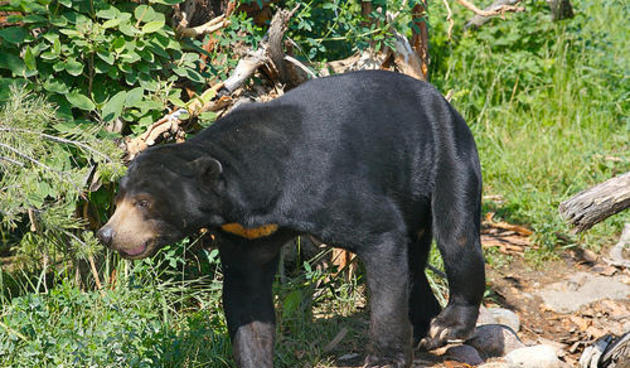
(495, 340)
(506, 317)
(583, 288)
(464, 354)
(485, 317)
(495, 364)
(538, 356)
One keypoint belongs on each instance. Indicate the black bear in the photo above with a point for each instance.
(374, 162)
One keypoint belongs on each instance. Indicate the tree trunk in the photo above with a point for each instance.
(420, 37)
(593, 205)
(560, 9)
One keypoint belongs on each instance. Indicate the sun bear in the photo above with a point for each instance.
(374, 162)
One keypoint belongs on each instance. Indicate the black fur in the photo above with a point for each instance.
(374, 162)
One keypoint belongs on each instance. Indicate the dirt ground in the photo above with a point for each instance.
(567, 303)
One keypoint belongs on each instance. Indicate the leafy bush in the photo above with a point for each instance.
(96, 59)
(46, 164)
(127, 327)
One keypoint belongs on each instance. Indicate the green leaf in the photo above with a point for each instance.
(106, 57)
(66, 3)
(73, 67)
(111, 23)
(80, 101)
(153, 26)
(119, 44)
(29, 59)
(145, 13)
(54, 85)
(114, 106)
(14, 35)
(48, 55)
(128, 29)
(70, 32)
(168, 2)
(134, 96)
(109, 13)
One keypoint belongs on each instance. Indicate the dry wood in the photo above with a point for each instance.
(212, 26)
(479, 20)
(616, 252)
(420, 37)
(405, 57)
(336, 340)
(207, 101)
(560, 9)
(489, 12)
(595, 204)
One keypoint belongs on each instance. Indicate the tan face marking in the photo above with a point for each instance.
(131, 231)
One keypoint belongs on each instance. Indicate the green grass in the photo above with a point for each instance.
(549, 107)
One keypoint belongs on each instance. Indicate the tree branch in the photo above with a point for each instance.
(212, 26)
(492, 10)
(59, 140)
(479, 20)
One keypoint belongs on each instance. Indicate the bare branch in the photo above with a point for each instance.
(10, 160)
(479, 20)
(212, 26)
(491, 11)
(297, 63)
(58, 139)
(449, 19)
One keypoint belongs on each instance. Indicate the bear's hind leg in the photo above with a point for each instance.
(423, 306)
(387, 277)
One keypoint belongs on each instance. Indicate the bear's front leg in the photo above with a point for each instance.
(248, 269)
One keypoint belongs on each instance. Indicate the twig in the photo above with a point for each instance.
(25, 156)
(491, 11)
(212, 26)
(336, 340)
(97, 279)
(297, 63)
(58, 139)
(479, 20)
(12, 331)
(449, 19)
(10, 160)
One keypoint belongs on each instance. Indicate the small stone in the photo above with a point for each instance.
(464, 354)
(538, 356)
(506, 317)
(495, 340)
(485, 317)
(495, 364)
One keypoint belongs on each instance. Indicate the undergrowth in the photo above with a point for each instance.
(549, 107)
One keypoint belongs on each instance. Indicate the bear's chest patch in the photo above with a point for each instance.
(253, 233)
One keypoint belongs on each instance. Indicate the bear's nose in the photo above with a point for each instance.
(105, 235)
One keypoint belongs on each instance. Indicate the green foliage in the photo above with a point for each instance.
(548, 105)
(45, 166)
(132, 325)
(97, 59)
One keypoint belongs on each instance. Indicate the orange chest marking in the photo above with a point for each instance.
(255, 233)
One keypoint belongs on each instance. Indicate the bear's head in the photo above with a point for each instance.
(167, 193)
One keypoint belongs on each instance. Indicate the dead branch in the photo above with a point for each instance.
(449, 19)
(616, 252)
(210, 27)
(595, 204)
(269, 52)
(489, 12)
(479, 20)
(406, 59)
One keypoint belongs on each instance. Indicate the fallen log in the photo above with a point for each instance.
(595, 204)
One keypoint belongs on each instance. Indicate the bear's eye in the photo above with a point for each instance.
(143, 203)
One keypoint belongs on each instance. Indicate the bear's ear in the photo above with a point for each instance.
(206, 168)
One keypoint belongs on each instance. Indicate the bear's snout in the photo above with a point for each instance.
(105, 235)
